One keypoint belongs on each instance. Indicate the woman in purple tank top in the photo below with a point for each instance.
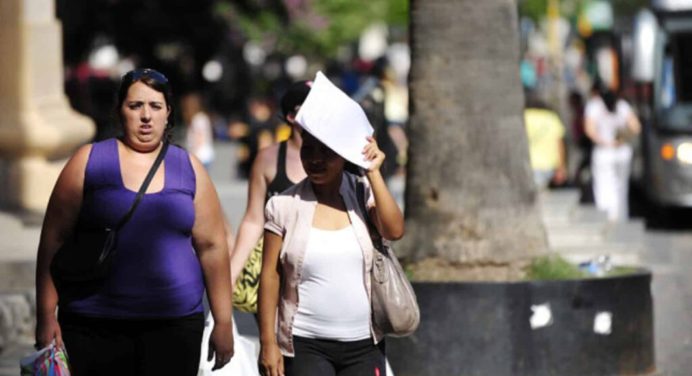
(146, 317)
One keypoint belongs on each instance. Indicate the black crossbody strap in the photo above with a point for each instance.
(145, 185)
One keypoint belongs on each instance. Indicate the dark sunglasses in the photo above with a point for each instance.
(157, 76)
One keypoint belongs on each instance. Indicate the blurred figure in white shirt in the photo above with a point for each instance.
(199, 138)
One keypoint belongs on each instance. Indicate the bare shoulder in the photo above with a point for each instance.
(82, 153)
(268, 155)
(70, 183)
(265, 161)
(197, 166)
(77, 163)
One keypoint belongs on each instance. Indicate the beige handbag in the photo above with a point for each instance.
(395, 309)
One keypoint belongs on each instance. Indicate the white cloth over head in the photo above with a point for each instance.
(336, 120)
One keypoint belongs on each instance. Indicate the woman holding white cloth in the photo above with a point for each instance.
(318, 254)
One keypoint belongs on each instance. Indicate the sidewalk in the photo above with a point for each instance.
(577, 232)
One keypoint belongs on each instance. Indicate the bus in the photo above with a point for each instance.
(662, 74)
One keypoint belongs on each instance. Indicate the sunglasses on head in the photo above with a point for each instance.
(157, 76)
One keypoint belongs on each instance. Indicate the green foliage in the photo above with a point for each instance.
(345, 21)
(537, 9)
(553, 267)
(629, 7)
(534, 9)
(322, 27)
(397, 12)
(621, 270)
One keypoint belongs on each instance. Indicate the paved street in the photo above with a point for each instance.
(670, 256)
(578, 231)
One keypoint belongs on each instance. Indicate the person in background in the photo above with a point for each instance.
(199, 137)
(146, 317)
(545, 133)
(317, 256)
(581, 177)
(396, 113)
(199, 141)
(253, 134)
(372, 96)
(582, 141)
(276, 168)
(611, 124)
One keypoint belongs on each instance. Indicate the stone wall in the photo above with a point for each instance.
(16, 317)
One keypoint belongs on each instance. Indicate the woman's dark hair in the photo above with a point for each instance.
(353, 168)
(294, 96)
(155, 80)
(609, 99)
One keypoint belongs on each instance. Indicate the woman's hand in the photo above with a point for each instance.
(221, 345)
(271, 361)
(373, 154)
(47, 330)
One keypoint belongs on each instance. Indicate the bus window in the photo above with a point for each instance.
(682, 52)
(667, 83)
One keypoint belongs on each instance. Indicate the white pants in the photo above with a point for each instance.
(611, 172)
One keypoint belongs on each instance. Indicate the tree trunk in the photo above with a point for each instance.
(470, 197)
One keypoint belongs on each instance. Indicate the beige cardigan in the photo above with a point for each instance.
(290, 216)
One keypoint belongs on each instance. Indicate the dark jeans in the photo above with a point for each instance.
(100, 346)
(318, 357)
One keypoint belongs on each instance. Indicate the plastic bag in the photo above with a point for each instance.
(48, 361)
(244, 361)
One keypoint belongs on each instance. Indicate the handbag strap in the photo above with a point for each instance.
(144, 186)
(372, 230)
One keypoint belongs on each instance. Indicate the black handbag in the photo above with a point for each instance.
(87, 255)
(394, 305)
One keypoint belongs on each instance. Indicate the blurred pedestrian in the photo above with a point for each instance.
(146, 316)
(611, 124)
(199, 136)
(372, 96)
(253, 134)
(545, 133)
(276, 168)
(581, 178)
(317, 247)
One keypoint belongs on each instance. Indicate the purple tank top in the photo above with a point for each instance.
(155, 272)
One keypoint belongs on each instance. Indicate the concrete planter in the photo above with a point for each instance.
(576, 327)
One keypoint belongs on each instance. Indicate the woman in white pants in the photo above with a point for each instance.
(610, 123)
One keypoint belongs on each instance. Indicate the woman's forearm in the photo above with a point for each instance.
(389, 219)
(270, 284)
(46, 293)
(267, 306)
(217, 278)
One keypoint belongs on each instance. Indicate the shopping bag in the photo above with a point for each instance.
(48, 361)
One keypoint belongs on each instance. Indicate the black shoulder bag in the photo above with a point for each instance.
(87, 255)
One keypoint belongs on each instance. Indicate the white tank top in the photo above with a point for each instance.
(332, 301)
